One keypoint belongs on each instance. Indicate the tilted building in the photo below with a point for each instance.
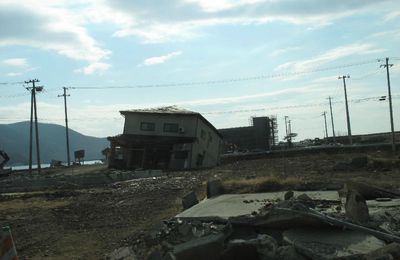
(165, 138)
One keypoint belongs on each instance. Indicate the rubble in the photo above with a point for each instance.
(123, 253)
(280, 225)
(288, 195)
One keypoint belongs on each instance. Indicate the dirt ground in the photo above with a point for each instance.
(90, 223)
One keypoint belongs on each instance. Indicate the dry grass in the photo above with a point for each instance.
(260, 184)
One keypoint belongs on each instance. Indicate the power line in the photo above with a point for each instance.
(222, 81)
(12, 83)
(358, 100)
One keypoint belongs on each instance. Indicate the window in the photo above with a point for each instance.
(171, 128)
(146, 126)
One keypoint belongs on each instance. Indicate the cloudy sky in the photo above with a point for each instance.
(229, 60)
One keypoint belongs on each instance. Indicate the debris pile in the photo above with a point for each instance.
(286, 225)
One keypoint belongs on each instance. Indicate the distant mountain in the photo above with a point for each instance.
(14, 139)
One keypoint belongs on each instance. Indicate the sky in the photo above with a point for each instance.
(229, 60)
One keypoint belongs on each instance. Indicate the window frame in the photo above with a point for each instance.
(151, 129)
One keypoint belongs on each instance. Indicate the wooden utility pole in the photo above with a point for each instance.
(347, 108)
(326, 126)
(286, 128)
(333, 124)
(30, 134)
(33, 90)
(66, 123)
(387, 66)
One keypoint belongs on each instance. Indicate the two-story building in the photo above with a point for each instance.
(165, 138)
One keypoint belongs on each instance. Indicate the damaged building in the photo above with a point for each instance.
(261, 135)
(165, 138)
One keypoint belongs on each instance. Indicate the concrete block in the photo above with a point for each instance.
(356, 207)
(214, 188)
(189, 200)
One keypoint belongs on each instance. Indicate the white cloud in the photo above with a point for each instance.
(13, 74)
(392, 15)
(94, 67)
(18, 62)
(221, 5)
(329, 56)
(283, 51)
(160, 59)
(49, 25)
(173, 20)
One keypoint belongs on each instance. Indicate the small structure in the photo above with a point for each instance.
(261, 135)
(79, 156)
(165, 138)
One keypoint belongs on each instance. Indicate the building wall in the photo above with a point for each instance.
(257, 136)
(207, 147)
(207, 144)
(187, 122)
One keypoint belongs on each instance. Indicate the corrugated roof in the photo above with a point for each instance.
(160, 110)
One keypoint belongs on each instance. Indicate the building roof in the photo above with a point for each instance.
(161, 110)
(170, 110)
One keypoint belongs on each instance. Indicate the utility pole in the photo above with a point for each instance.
(34, 89)
(387, 66)
(66, 123)
(326, 126)
(286, 128)
(30, 133)
(333, 124)
(347, 108)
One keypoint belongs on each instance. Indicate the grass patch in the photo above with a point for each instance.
(261, 184)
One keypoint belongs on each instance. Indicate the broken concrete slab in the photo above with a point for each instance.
(230, 205)
(189, 200)
(207, 247)
(331, 243)
(288, 253)
(370, 192)
(391, 251)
